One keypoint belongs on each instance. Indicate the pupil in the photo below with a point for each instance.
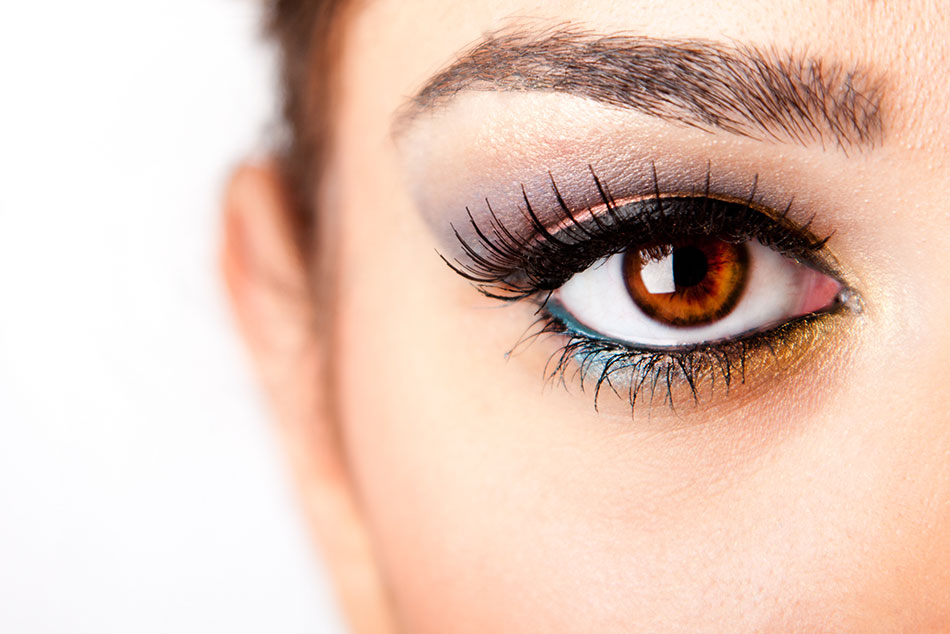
(689, 266)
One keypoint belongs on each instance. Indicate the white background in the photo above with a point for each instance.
(141, 486)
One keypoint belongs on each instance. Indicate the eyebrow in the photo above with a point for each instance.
(744, 90)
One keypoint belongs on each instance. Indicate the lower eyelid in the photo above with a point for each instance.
(672, 377)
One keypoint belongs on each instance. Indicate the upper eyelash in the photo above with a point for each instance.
(507, 265)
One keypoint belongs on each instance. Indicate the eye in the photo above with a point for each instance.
(690, 291)
(652, 293)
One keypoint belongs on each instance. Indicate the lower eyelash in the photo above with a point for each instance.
(631, 373)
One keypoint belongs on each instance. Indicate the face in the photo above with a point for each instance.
(727, 225)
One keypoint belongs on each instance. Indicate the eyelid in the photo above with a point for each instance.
(817, 258)
(644, 373)
(510, 264)
(809, 248)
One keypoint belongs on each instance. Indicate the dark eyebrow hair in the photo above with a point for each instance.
(753, 92)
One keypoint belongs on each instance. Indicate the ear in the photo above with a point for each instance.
(274, 303)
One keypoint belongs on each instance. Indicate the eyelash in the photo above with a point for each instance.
(655, 370)
(510, 267)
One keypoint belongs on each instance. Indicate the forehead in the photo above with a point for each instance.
(394, 46)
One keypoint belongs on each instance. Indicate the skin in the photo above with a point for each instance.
(451, 491)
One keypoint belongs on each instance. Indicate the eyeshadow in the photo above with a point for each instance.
(489, 151)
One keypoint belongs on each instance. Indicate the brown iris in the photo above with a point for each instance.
(691, 282)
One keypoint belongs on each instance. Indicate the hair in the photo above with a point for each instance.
(308, 43)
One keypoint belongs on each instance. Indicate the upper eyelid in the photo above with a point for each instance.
(494, 253)
(556, 215)
(744, 90)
